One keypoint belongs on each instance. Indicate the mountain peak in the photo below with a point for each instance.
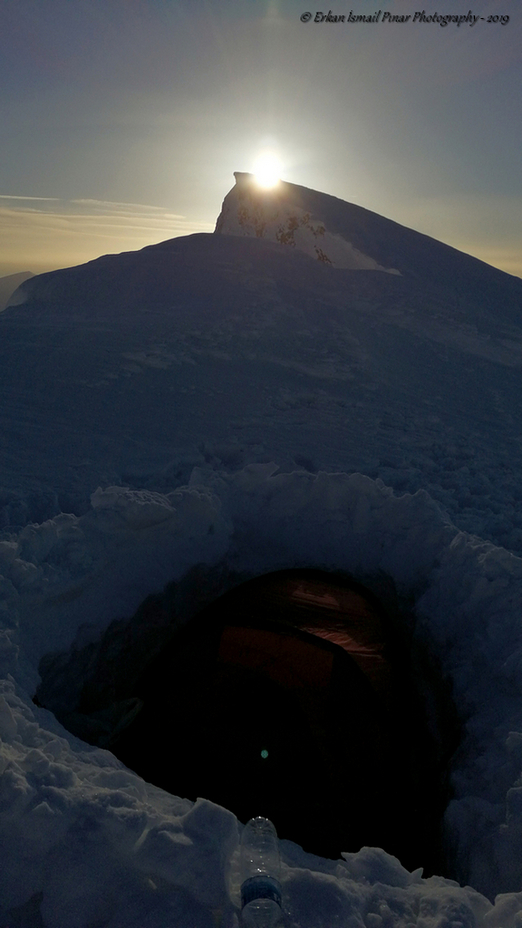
(280, 214)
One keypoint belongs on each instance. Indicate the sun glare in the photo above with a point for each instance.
(267, 168)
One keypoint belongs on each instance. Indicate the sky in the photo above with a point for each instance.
(122, 121)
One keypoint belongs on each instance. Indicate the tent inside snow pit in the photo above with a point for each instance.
(291, 697)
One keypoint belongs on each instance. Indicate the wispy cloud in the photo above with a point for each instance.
(58, 233)
(110, 205)
(10, 196)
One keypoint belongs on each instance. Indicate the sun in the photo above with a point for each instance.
(267, 168)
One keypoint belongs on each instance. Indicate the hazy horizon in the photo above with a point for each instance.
(150, 226)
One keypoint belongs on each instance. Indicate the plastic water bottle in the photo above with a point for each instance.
(260, 875)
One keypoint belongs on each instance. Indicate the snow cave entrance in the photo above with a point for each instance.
(297, 695)
(293, 696)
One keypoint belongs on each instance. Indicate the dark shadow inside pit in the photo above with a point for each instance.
(290, 697)
(295, 696)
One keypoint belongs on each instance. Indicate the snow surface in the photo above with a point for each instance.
(146, 397)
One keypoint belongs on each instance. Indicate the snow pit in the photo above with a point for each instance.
(303, 696)
(85, 841)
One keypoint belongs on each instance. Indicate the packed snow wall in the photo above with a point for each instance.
(65, 581)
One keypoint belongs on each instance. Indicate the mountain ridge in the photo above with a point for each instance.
(390, 242)
(417, 256)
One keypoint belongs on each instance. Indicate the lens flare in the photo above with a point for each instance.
(267, 168)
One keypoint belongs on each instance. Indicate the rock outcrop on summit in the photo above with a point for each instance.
(280, 214)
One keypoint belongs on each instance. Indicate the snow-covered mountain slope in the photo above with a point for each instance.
(144, 397)
(405, 378)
